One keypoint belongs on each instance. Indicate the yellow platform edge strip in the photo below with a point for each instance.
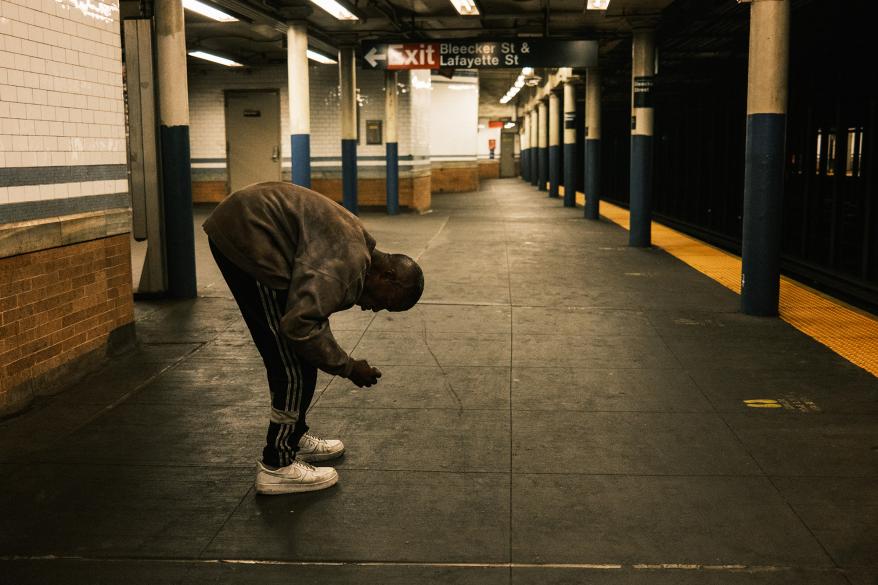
(846, 330)
(849, 332)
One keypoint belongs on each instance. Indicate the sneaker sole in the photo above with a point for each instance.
(275, 489)
(320, 456)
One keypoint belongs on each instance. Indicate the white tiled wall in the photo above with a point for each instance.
(454, 118)
(485, 134)
(207, 115)
(420, 94)
(60, 92)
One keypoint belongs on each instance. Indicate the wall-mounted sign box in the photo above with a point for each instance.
(373, 131)
(480, 54)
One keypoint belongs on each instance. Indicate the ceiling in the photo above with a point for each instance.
(259, 37)
(690, 30)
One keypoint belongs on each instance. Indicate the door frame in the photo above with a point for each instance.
(511, 153)
(280, 113)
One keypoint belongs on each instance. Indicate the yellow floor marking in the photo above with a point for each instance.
(763, 403)
(849, 332)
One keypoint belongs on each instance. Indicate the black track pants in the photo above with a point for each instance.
(291, 381)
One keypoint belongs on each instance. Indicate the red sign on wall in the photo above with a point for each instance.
(405, 56)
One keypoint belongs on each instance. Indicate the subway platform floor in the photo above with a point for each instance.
(559, 409)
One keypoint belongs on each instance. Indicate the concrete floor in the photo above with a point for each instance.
(559, 409)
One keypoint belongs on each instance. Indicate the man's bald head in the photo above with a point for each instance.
(394, 282)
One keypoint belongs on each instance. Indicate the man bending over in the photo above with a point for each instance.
(291, 258)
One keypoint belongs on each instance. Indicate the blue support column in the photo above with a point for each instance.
(348, 81)
(177, 202)
(543, 145)
(349, 174)
(392, 147)
(569, 131)
(534, 148)
(640, 234)
(299, 94)
(176, 165)
(593, 143)
(392, 178)
(554, 178)
(592, 178)
(763, 193)
(554, 159)
(764, 158)
(300, 147)
(640, 179)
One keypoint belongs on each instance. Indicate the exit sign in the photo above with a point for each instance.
(480, 54)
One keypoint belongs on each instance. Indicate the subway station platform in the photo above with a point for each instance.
(559, 408)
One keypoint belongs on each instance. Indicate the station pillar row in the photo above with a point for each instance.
(535, 147)
(543, 146)
(569, 148)
(348, 80)
(299, 104)
(592, 143)
(176, 176)
(391, 101)
(640, 180)
(767, 87)
(554, 144)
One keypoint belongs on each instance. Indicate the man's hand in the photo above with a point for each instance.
(362, 374)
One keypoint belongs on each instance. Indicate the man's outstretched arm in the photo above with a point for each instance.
(312, 298)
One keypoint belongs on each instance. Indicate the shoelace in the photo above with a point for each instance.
(306, 465)
(313, 438)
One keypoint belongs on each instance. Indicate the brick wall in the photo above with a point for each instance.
(414, 191)
(65, 270)
(57, 305)
(454, 177)
(489, 169)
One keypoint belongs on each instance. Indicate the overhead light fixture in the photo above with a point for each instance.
(214, 58)
(208, 11)
(465, 7)
(509, 125)
(597, 4)
(517, 85)
(320, 57)
(336, 9)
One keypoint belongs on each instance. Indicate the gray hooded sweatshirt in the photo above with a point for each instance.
(296, 240)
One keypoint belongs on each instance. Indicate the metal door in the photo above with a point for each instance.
(507, 154)
(252, 137)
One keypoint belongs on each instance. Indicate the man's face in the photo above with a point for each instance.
(380, 295)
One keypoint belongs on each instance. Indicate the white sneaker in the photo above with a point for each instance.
(297, 477)
(313, 448)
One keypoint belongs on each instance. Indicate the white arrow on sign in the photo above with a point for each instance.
(373, 56)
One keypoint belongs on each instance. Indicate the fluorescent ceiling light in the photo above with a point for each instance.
(335, 9)
(320, 57)
(464, 7)
(214, 58)
(597, 4)
(516, 86)
(208, 11)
